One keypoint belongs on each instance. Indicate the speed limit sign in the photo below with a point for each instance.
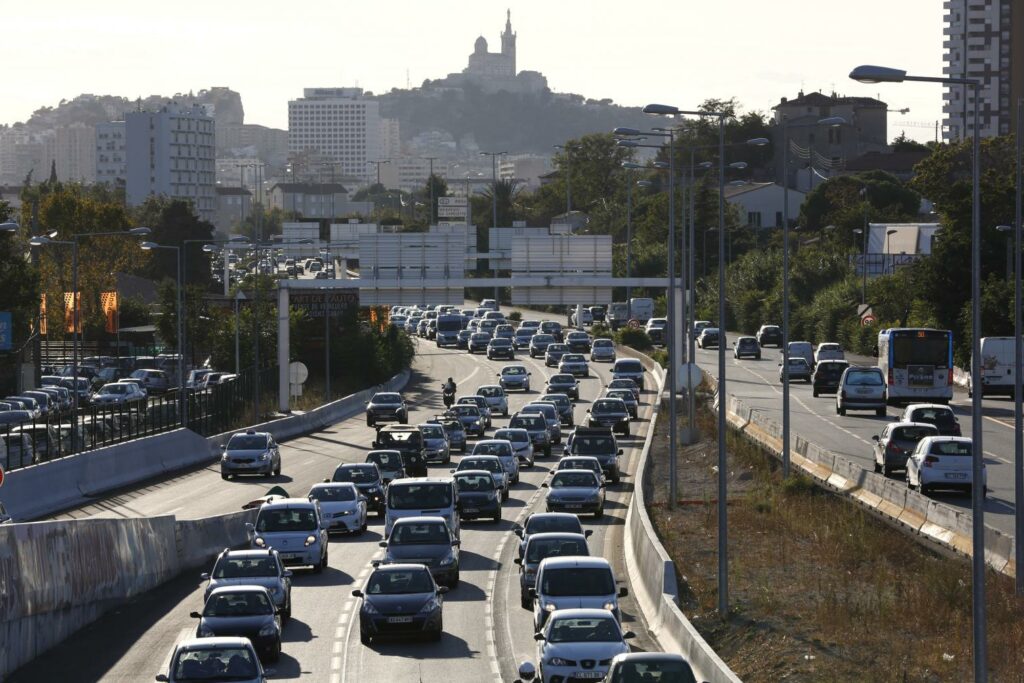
(868, 320)
(634, 323)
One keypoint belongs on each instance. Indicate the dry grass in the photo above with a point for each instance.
(821, 590)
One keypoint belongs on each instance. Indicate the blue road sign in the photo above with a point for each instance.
(6, 331)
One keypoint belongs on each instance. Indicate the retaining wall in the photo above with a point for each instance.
(57, 577)
(652, 572)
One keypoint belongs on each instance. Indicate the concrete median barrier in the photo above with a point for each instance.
(999, 551)
(915, 511)
(892, 494)
(199, 540)
(943, 524)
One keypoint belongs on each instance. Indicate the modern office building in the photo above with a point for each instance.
(111, 158)
(985, 41)
(339, 124)
(76, 153)
(171, 153)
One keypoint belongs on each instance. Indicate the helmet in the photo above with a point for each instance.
(450, 380)
(527, 672)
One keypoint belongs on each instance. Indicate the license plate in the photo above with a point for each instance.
(956, 475)
(289, 556)
(589, 675)
(399, 620)
(574, 506)
(470, 510)
(864, 391)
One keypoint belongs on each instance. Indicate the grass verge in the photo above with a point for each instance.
(820, 589)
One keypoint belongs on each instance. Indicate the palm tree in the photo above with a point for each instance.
(505, 190)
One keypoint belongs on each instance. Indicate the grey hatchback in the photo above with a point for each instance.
(896, 442)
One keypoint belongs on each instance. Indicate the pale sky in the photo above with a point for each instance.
(678, 52)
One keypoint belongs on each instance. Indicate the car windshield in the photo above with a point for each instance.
(560, 400)
(622, 395)
(464, 410)
(432, 432)
(572, 358)
(606, 406)
(601, 343)
(493, 448)
(247, 442)
(417, 533)
(420, 496)
(480, 464)
(387, 399)
(356, 474)
(243, 567)
(474, 482)
(500, 342)
(528, 422)
(513, 435)
(829, 347)
(333, 494)
(539, 548)
(480, 336)
(866, 378)
(556, 348)
(216, 664)
(573, 478)
(950, 448)
(543, 338)
(628, 366)
(399, 582)
(389, 460)
(286, 519)
(514, 370)
(114, 389)
(599, 630)
(246, 603)
(539, 524)
(576, 581)
(490, 392)
(593, 445)
(672, 671)
(579, 464)
(561, 379)
(525, 332)
(410, 438)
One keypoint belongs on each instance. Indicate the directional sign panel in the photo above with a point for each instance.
(451, 211)
(328, 302)
(583, 255)
(412, 258)
(453, 201)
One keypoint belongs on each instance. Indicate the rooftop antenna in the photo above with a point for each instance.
(408, 84)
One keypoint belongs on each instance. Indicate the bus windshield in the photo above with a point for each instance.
(923, 347)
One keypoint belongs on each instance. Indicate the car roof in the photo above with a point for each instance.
(422, 480)
(253, 552)
(578, 613)
(578, 562)
(238, 588)
(214, 643)
(333, 484)
(947, 439)
(423, 519)
(929, 425)
(406, 566)
(289, 503)
(552, 515)
(489, 441)
(559, 534)
(915, 406)
(249, 433)
(650, 657)
(462, 473)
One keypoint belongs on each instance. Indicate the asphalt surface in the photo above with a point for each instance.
(486, 634)
(757, 384)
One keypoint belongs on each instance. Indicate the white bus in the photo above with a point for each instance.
(917, 364)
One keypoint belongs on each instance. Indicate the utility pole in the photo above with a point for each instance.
(430, 186)
(37, 345)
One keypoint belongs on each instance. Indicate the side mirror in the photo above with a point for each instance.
(497, 374)
(623, 592)
(544, 485)
(441, 590)
(205, 576)
(875, 437)
(362, 499)
(532, 593)
(456, 543)
(374, 444)
(518, 530)
(620, 452)
(452, 471)
(195, 615)
(382, 544)
(288, 573)
(587, 533)
(161, 677)
(357, 593)
(517, 560)
(628, 634)
(539, 636)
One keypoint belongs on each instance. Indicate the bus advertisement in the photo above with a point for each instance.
(917, 364)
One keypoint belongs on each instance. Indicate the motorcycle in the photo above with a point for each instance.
(448, 396)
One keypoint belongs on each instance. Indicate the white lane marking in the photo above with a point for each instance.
(335, 663)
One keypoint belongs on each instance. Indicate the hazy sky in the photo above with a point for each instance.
(678, 52)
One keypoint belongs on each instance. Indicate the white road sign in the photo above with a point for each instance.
(453, 201)
(451, 211)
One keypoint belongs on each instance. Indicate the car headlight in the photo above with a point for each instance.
(550, 607)
(269, 630)
(610, 606)
(344, 513)
(448, 561)
(224, 458)
(310, 540)
(265, 456)
(204, 632)
(368, 608)
(430, 605)
(558, 661)
(260, 542)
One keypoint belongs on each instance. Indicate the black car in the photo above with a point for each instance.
(408, 441)
(386, 406)
(770, 335)
(599, 443)
(825, 379)
(578, 342)
(564, 383)
(479, 495)
(539, 344)
(598, 313)
(553, 354)
(500, 348)
(462, 342)
(366, 477)
(243, 611)
(610, 413)
(400, 599)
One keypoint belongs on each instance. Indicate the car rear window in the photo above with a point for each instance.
(540, 548)
(577, 581)
(628, 366)
(234, 568)
(539, 524)
(950, 448)
(937, 416)
(912, 433)
(864, 378)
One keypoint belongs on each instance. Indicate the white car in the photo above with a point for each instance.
(943, 462)
(514, 377)
(828, 351)
(342, 506)
(496, 398)
(574, 636)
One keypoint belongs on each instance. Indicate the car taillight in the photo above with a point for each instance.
(890, 377)
(929, 460)
(893, 448)
(949, 378)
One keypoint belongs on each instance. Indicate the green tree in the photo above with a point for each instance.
(172, 222)
(440, 189)
(19, 296)
(505, 191)
(845, 203)
(197, 313)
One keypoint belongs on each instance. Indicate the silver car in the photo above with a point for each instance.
(488, 463)
(119, 393)
(861, 388)
(480, 402)
(514, 377)
(575, 491)
(602, 350)
(504, 451)
(250, 452)
(541, 546)
(342, 506)
(234, 658)
(575, 636)
(521, 443)
(260, 567)
(496, 398)
(295, 528)
(551, 416)
(435, 443)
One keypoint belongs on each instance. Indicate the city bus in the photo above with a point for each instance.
(917, 364)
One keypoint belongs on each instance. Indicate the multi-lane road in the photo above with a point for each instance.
(757, 384)
(486, 631)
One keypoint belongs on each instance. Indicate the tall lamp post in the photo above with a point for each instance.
(494, 199)
(182, 402)
(786, 127)
(568, 178)
(881, 74)
(631, 166)
(1018, 356)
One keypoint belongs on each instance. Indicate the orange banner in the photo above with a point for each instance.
(42, 314)
(109, 302)
(69, 312)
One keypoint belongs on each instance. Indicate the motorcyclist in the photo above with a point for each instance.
(527, 673)
(448, 389)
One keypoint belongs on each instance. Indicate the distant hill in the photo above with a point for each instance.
(518, 122)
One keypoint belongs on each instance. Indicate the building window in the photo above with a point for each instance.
(778, 219)
(754, 219)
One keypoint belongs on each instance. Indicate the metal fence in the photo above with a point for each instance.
(58, 434)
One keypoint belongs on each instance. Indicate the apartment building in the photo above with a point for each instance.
(340, 124)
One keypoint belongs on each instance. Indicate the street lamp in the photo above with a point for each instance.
(881, 74)
(631, 166)
(568, 177)
(888, 249)
(182, 401)
(1018, 355)
(494, 199)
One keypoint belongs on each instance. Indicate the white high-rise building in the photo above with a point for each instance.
(76, 153)
(983, 41)
(172, 152)
(339, 124)
(390, 139)
(111, 160)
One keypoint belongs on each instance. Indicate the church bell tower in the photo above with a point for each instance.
(508, 42)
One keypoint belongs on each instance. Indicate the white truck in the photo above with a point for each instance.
(997, 365)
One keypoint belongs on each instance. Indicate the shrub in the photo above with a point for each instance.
(515, 316)
(634, 338)
(601, 331)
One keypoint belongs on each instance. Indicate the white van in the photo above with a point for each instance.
(642, 308)
(574, 582)
(422, 497)
(997, 363)
(802, 349)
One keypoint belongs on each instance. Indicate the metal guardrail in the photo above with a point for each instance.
(59, 434)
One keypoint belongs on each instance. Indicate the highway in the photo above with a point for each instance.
(486, 631)
(756, 383)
